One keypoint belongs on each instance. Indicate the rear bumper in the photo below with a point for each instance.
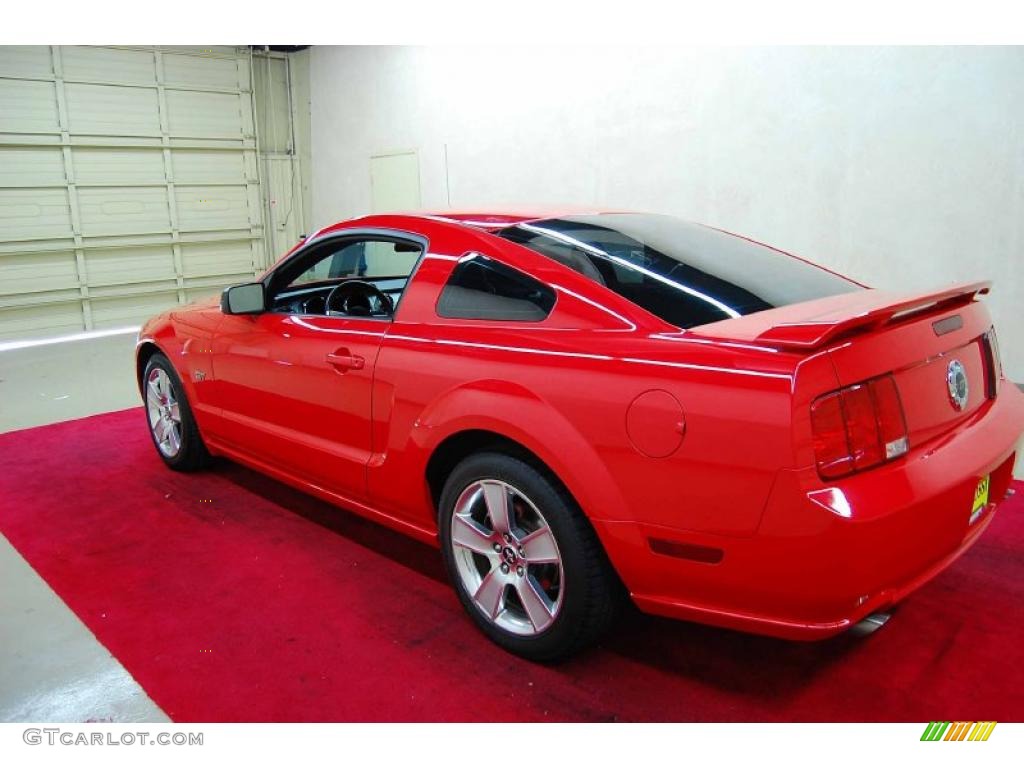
(824, 557)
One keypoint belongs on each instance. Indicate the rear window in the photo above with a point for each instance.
(482, 289)
(684, 273)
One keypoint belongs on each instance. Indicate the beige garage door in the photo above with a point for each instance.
(128, 183)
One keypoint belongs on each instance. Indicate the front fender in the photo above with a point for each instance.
(184, 340)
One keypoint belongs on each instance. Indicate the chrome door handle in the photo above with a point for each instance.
(344, 360)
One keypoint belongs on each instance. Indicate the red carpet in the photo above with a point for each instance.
(230, 597)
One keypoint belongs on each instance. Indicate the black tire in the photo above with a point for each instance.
(192, 454)
(592, 593)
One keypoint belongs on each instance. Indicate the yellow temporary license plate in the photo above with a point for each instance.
(980, 499)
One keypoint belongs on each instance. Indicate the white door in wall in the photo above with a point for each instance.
(395, 182)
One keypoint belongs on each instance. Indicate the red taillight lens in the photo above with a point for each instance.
(831, 449)
(892, 425)
(862, 426)
(996, 363)
(994, 341)
(858, 427)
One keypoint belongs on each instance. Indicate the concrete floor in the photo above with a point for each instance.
(52, 668)
(49, 382)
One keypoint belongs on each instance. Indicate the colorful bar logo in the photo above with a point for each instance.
(958, 731)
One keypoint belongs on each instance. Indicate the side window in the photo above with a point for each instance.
(482, 289)
(362, 258)
(385, 259)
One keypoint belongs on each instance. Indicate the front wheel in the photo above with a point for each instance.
(171, 423)
(524, 560)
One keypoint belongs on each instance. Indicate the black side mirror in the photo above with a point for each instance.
(246, 299)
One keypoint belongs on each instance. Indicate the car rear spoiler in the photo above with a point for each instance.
(813, 324)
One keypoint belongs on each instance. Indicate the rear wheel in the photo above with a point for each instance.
(171, 424)
(524, 560)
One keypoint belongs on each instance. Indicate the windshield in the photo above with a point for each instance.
(684, 273)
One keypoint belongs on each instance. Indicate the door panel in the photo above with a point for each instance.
(294, 390)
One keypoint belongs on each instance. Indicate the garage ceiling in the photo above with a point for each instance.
(128, 183)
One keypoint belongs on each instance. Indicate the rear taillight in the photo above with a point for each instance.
(858, 427)
(993, 341)
(995, 363)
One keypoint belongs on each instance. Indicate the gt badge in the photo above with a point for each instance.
(956, 380)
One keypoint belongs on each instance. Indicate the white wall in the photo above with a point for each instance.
(902, 167)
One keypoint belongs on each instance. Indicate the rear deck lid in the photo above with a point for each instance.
(935, 344)
(813, 324)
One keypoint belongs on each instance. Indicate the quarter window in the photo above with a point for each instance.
(483, 289)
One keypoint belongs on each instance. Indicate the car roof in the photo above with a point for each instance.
(497, 218)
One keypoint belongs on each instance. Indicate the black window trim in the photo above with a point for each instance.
(475, 254)
(362, 233)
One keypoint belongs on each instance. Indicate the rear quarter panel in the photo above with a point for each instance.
(570, 408)
(563, 387)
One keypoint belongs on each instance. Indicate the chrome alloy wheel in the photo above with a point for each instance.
(507, 557)
(164, 412)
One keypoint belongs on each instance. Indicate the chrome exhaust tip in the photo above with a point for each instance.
(870, 624)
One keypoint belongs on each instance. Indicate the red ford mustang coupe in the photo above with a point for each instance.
(578, 406)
